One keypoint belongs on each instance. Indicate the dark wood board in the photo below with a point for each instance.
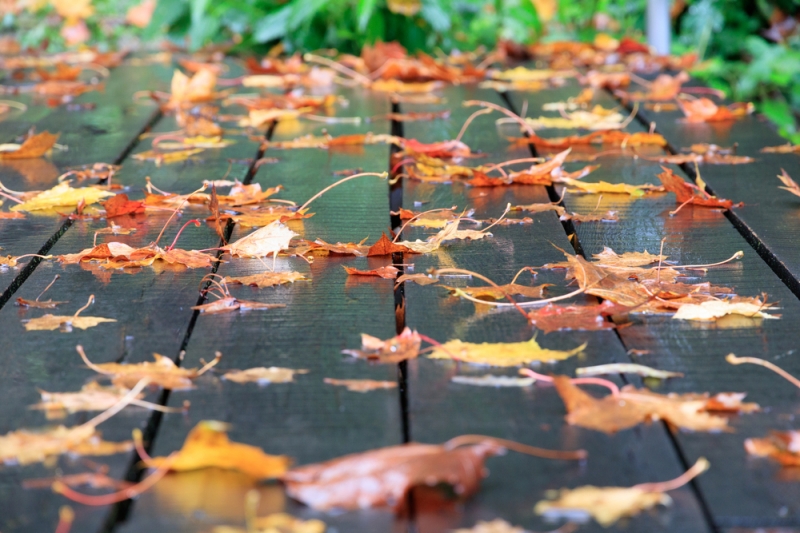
(761, 495)
(769, 217)
(308, 419)
(152, 309)
(440, 409)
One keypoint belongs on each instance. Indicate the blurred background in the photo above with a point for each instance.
(750, 49)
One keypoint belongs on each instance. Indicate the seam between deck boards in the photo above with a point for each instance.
(576, 244)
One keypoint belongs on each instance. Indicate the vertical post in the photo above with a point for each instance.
(658, 26)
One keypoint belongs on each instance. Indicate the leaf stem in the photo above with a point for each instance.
(461, 440)
(732, 359)
(382, 175)
(699, 467)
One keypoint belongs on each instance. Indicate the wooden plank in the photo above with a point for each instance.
(308, 420)
(102, 134)
(441, 409)
(758, 497)
(768, 218)
(153, 314)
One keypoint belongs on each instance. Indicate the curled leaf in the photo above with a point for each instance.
(400, 348)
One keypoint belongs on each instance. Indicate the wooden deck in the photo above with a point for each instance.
(312, 421)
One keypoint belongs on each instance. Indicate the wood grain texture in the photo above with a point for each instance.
(441, 409)
(760, 497)
(308, 420)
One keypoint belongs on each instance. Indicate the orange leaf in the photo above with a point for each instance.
(34, 146)
(386, 272)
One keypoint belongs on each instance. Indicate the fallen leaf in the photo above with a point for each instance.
(613, 137)
(383, 477)
(162, 373)
(609, 504)
(489, 380)
(31, 446)
(208, 446)
(576, 317)
(501, 291)
(788, 148)
(500, 354)
(91, 397)
(119, 205)
(36, 304)
(790, 184)
(385, 247)
(11, 216)
(198, 88)
(113, 255)
(608, 216)
(782, 446)
(66, 324)
(603, 187)
(609, 258)
(714, 309)
(598, 118)
(62, 195)
(626, 368)
(386, 272)
(263, 375)
(704, 110)
(161, 158)
(495, 526)
(275, 523)
(399, 348)
(34, 146)
(229, 303)
(361, 385)
(631, 407)
(419, 279)
(271, 239)
(266, 279)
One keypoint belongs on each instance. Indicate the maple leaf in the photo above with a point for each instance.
(208, 446)
(383, 477)
(386, 272)
(626, 368)
(500, 354)
(62, 195)
(198, 88)
(782, 446)
(119, 205)
(713, 309)
(610, 284)
(163, 372)
(399, 348)
(271, 239)
(64, 323)
(267, 279)
(631, 407)
(112, 255)
(608, 504)
(384, 246)
(34, 146)
(489, 380)
(577, 317)
(361, 385)
(263, 375)
(789, 184)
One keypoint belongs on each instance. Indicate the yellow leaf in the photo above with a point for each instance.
(605, 504)
(264, 376)
(73, 10)
(207, 446)
(91, 397)
(404, 7)
(174, 156)
(27, 446)
(713, 309)
(62, 195)
(267, 279)
(609, 258)
(526, 74)
(603, 187)
(500, 354)
(270, 239)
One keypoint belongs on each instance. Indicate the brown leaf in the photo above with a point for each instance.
(419, 279)
(34, 146)
(577, 317)
(606, 504)
(263, 375)
(400, 348)
(632, 407)
(788, 148)
(208, 446)
(267, 279)
(790, 184)
(361, 385)
(782, 446)
(213, 206)
(609, 258)
(36, 304)
(385, 247)
(704, 110)
(613, 137)
(386, 272)
(229, 303)
(91, 397)
(501, 291)
(119, 205)
(383, 477)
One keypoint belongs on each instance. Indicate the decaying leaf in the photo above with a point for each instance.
(608, 504)
(488, 380)
(714, 309)
(361, 385)
(626, 368)
(789, 184)
(163, 372)
(207, 446)
(62, 195)
(263, 375)
(400, 348)
(383, 477)
(631, 407)
(34, 146)
(782, 446)
(690, 193)
(500, 354)
(267, 279)
(385, 272)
